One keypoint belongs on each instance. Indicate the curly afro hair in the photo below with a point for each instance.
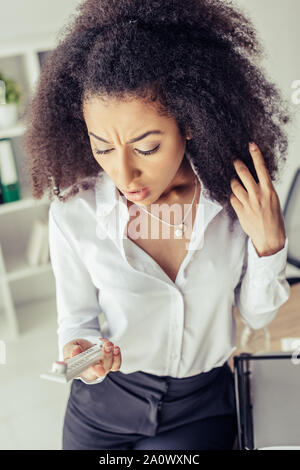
(199, 60)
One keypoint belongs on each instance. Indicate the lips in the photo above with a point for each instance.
(138, 195)
(135, 191)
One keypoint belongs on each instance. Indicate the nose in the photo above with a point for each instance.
(125, 170)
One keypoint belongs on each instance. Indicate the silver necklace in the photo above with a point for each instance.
(179, 227)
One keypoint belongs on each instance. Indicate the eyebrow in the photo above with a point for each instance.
(140, 137)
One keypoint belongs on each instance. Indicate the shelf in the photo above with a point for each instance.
(17, 268)
(22, 57)
(28, 271)
(29, 317)
(27, 203)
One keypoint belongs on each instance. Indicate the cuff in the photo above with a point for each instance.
(89, 382)
(271, 266)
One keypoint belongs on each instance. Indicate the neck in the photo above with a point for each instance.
(182, 184)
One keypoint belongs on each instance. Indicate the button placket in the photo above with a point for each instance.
(175, 334)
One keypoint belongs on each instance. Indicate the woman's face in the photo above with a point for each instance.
(124, 131)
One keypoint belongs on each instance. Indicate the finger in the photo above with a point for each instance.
(236, 204)
(107, 356)
(117, 359)
(73, 352)
(247, 180)
(104, 342)
(260, 166)
(98, 369)
(239, 192)
(76, 350)
(103, 366)
(85, 344)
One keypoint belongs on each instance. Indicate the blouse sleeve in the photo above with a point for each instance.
(76, 296)
(262, 287)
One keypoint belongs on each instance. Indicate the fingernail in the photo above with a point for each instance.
(116, 350)
(108, 348)
(252, 145)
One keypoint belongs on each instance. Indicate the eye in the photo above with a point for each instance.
(149, 152)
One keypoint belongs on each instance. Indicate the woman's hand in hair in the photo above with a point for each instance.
(258, 207)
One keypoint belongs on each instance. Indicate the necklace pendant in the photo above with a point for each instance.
(178, 232)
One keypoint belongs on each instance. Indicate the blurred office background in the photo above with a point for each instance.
(32, 411)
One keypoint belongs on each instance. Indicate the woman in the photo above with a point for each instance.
(162, 98)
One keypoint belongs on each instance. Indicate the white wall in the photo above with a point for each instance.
(19, 17)
(277, 22)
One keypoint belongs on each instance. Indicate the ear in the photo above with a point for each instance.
(188, 134)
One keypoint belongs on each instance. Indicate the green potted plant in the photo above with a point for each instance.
(10, 97)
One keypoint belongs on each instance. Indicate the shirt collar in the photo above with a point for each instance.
(109, 202)
(107, 195)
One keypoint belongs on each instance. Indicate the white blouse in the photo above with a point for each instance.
(163, 327)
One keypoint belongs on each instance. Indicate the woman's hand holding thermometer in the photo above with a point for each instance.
(85, 360)
(110, 361)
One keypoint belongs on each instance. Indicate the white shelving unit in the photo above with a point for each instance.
(20, 283)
